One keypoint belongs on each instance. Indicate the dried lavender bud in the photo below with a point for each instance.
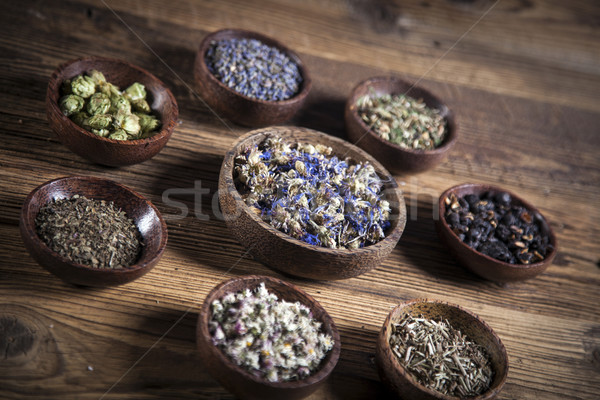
(98, 103)
(440, 357)
(307, 193)
(89, 232)
(71, 104)
(494, 226)
(83, 86)
(273, 339)
(403, 120)
(254, 69)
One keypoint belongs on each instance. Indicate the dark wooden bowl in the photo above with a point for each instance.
(400, 381)
(103, 150)
(239, 108)
(393, 157)
(481, 264)
(293, 256)
(145, 216)
(238, 380)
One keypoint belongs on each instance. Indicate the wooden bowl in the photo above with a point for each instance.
(241, 109)
(145, 216)
(398, 378)
(395, 158)
(293, 256)
(238, 380)
(483, 265)
(103, 150)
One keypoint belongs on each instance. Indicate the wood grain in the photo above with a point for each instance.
(524, 84)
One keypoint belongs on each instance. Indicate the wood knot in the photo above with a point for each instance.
(16, 338)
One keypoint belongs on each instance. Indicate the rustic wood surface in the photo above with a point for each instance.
(523, 78)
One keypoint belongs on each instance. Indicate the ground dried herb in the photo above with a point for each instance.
(89, 232)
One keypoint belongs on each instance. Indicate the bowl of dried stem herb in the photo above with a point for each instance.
(92, 231)
(264, 338)
(309, 204)
(431, 349)
(494, 233)
(405, 127)
(250, 78)
(110, 111)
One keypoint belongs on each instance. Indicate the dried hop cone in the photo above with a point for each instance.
(83, 86)
(136, 91)
(98, 104)
(71, 104)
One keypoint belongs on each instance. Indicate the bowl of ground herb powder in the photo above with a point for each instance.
(110, 111)
(92, 231)
(250, 78)
(264, 338)
(434, 350)
(405, 127)
(309, 204)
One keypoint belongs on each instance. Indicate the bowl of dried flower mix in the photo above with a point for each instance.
(250, 78)
(430, 349)
(263, 338)
(403, 126)
(110, 111)
(494, 233)
(309, 204)
(92, 231)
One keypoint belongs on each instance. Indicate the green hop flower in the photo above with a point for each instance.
(99, 121)
(79, 118)
(148, 123)
(131, 124)
(120, 104)
(97, 77)
(101, 132)
(135, 92)
(83, 86)
(140, 105)
(98, 104)
(70, 104)
(119, 134)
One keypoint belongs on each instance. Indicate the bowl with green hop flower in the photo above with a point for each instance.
(405, 127)
(110, 111)
(264, 338)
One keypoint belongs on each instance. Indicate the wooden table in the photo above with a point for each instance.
(523, 77)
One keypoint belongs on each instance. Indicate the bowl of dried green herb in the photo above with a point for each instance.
(264, 338)
(309, 204)
(250, 78)
(405, 127)
(110, 111)
(494, 233)
(92, 231)
(431, 349)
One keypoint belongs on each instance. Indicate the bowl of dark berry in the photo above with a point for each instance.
(405, 127)
(309, 204)
(263, 338)
(250, 78)
(110, 111)
(494, 233)
(434, 350)
(92, 231)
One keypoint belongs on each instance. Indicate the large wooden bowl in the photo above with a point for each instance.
(293, 256)
(103, 150)
(238, 380)
(481, 264)
(239, 108)
(395, 158)
(143, 213)
(402, 382)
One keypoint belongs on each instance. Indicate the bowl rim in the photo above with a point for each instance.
(201, 66)
(490, 392)
(167, 126)
(447, 113)
(29, 226)
(325, 369)
(481, 188)
(393, 233)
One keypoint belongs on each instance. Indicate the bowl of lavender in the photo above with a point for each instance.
(91, 231)
(309, 204)
(404, 126)
(250, 78)
(434, 350)
(263, 338)
(494, 233)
